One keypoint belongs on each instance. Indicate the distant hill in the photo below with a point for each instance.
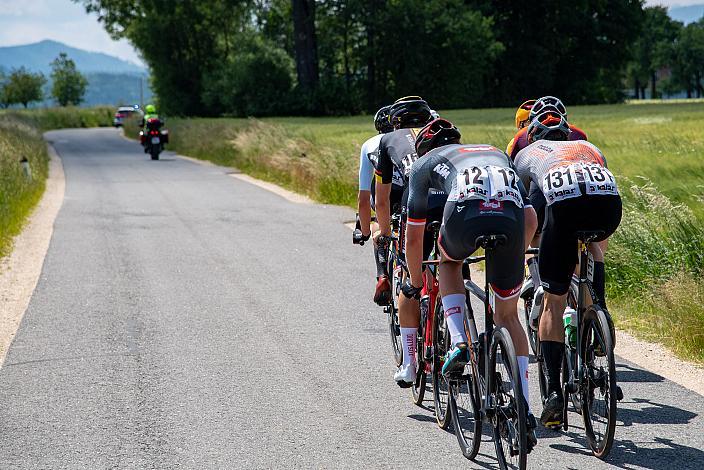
(111, 81)
(688, 14)
(38, 56)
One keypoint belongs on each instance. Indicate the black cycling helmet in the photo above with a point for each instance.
(437, 133)
(547, 103)
(548, 126)
(410, 111)
(381, 120)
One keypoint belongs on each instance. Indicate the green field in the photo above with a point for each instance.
(656, 260)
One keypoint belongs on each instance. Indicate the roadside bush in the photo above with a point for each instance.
(46, 119)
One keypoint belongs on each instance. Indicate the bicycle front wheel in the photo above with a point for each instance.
(418, 388)
(509, 410)
(396, 272)
(598, 391)
(441, 385)
(464, 400)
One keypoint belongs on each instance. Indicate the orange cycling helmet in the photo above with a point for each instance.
(523, 114)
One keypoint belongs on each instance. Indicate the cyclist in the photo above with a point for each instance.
(581, 194)
(484, 196)
(368, 162)
(396, 155)
(150, 113)
(551, 103)
(522, 120)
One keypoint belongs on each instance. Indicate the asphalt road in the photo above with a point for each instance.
(186, 319)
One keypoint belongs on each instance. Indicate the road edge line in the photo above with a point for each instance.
(21, 269)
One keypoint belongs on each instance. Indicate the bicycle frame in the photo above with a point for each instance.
(428, 299)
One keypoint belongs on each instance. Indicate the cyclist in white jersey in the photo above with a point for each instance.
(581, 195)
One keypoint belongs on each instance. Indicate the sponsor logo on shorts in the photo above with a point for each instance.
(491, 206)
(460, 208)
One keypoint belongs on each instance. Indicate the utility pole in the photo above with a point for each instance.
(141, 94)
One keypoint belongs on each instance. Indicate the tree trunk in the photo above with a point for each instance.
(642, 92)
(636, 86)
(305, 43)
(653, 85)
(25, 103)
(371, 57)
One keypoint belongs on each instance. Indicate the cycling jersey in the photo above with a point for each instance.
(581, 194)
(368, 158)
(564, 169)
(397, 152)
(485, 197)
(464, 172)
(520, 140)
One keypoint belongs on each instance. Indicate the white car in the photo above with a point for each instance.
(124, 112)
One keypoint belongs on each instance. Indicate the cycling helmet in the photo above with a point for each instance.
(523, 114)
(381, 120)
(548, 126)
(436, 133)
(434, 114)
(545, 103)
(411, 111)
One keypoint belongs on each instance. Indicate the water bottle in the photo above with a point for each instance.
(569, 319)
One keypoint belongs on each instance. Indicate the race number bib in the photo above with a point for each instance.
(407, 162)
(489, 183)
(598, 179)
(561, 183)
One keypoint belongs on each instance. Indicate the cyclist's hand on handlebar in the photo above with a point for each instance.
(358, 238)
(411, 292)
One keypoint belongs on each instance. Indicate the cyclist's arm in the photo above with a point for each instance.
(418, 188)
(529, 216)
(509, 147)
(366, 177)
(384, 177)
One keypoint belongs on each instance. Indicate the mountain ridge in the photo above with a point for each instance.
(38, 56)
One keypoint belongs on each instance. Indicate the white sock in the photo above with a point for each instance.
(454, 305)
(408, 338)
(523, 370)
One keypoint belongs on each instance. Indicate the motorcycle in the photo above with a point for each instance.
(153, 138)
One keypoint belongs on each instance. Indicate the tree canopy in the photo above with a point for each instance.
(68, 84)
(346, 56)
(22, 87)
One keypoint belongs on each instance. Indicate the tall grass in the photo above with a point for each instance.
(18, 192)
(656, 258)
(21, 137)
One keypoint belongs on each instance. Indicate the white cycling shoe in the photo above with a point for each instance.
(405, 376)
(537, 308)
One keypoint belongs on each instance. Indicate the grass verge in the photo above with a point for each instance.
(655, 260)
(21, 137)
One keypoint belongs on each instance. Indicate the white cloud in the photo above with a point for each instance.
(28, 21)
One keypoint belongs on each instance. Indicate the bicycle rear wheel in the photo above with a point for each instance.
(396, 272)
(527, 307)
(441, 385)
(418, 387)
(464, 400)
(509, 411)
(598, 392)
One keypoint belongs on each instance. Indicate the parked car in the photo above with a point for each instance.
(124, 112)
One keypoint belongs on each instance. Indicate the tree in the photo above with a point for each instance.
(305, 43)
(650, 51)
(69, 85)
(23, 87)
(685, 56)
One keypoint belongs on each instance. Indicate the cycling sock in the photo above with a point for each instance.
(380, 261)
(453, 305)
(599, 283)
(552, 352)
(533, 270)
(523, 370)
(408, 336)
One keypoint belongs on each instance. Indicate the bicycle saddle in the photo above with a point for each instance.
(489, 242)
(588, 235)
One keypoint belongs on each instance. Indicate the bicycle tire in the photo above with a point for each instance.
(441, 385)
(418, 387)
(532, 335)
(509, 426)
(464, 400)
(595, 335)
(392, 310)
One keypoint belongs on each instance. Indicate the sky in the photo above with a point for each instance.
(28, 21)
